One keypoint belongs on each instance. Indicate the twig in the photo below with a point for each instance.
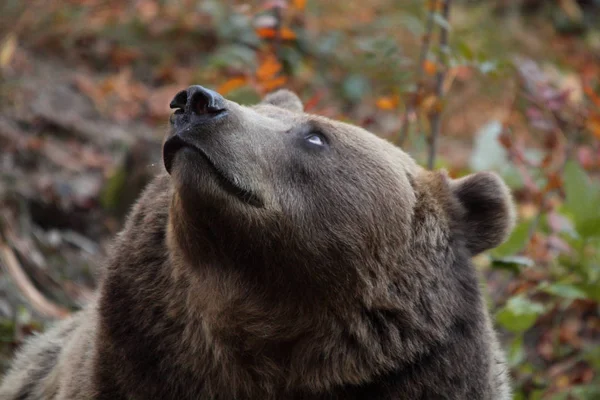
(278, 14)
(11, 134)
(80, 241)
(412, 103)
(37, 299)
(436, 116)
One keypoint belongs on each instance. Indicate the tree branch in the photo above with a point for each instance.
(436, 116)
(36, 298)
(412, 103)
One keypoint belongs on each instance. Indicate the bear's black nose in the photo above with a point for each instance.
(198, 100)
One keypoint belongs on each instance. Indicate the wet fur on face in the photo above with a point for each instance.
(271, 264)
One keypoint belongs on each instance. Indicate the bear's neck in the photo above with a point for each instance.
(172, 331)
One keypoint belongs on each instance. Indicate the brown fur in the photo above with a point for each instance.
(340, 272)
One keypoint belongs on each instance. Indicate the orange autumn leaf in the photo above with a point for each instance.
(268, 68)
(231, 85)
(266, 33)
(288, 34)
(554, 182)
(387, 102)
(275, 83)
(313, 101)
(593, 124)
(592, 95)
(547, 160)
(432, 5)
(299, 4)
(505, 140)
(429, 67)
(271, 33)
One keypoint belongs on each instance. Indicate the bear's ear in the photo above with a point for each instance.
(286, 99)
(489, 210)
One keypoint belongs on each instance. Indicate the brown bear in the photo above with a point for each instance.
(284, 256)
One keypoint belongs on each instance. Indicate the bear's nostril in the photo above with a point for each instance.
(198, 100)
(180, 100)
(204, 101)
(199, 103)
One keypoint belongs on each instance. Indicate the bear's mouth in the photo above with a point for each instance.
(174, 144)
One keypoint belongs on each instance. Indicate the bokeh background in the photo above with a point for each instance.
(510, 86)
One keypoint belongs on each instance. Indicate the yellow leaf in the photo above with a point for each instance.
(562, 382)
(430, 103)
(7, 50)
(387, 102)
(231, 85)
(528, 210)
(268, 68)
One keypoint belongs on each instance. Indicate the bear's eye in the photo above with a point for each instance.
(315, 139)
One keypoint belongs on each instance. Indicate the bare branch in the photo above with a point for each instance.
(36, 298)
(278, 14)
(436, 116)
(412, 103)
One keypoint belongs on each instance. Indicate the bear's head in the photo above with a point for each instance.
(294, 217)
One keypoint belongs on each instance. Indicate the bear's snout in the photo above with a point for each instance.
(198, 100)
(197, 110)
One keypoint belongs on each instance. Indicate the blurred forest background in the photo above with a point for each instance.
(511, 86)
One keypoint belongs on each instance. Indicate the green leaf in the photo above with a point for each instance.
(465, 51)
(7, 331)
(565, 290)
(514, 263)
(112, 191)
(585, 392)
(519, 314)
(515, 242)
(591, 291)
(582, 200)
(592, 355)
(516, 352)
(536, 394)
